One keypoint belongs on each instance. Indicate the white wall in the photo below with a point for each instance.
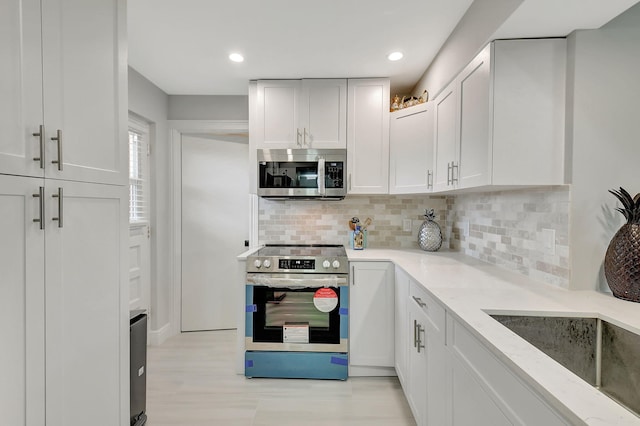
(152, 104)
(473, 31)
(604, 135)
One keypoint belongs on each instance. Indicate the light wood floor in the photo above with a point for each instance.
(191, 382)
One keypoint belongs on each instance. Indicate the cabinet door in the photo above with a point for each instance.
(368, 136)
(471, 405)
(277, 106)
(371, 317)
(417, 395)
(446, 137)
(402, 329)
(86, 304)
(323, 115)
(21, 87)
(411, 150)
(475, 132)
(85, 90)
(21, 303)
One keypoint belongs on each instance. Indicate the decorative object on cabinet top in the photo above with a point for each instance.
(408, 101)
(622, 259)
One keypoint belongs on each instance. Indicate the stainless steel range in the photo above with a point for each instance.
(297, 307)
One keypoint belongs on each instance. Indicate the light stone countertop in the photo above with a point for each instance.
(468, 288)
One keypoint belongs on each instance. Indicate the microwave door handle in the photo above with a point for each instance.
(321, 183)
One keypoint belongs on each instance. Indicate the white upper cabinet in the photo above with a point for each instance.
(446, 137)
(411, 150)
(501, 121)
(64, 103)
(308, 113)
(21, 87)
(368, 136)
(85, 90)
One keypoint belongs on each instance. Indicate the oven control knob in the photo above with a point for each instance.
(326, 264)
(257, 263)
(266, 263)
(335, 264)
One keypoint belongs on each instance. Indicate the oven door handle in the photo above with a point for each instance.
(280, 282)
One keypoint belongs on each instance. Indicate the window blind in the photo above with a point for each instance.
(138, 173)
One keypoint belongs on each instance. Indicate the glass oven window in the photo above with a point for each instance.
(275, 307)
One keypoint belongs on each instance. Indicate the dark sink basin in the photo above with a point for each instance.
(604, 355)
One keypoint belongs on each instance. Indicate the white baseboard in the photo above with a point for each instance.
(361, 371)
(158, 337)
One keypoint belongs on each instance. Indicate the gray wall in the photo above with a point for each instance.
(474, 30)
(152, 104)
(189, 107)
(604, 138)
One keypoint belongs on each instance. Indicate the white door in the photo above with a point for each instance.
(215, 218)
(21, 303)
(20, 87)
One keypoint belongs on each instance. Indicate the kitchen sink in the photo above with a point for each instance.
(603, 354)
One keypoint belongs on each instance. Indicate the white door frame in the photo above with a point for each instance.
(178, 128)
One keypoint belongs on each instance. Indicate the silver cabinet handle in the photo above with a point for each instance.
(298, 134)
(40, 136)
(454, 166)
(415, 333)
(40, 195)
(419, 302)
(349, 184)
(304, 136)
(353, 275)
(429, 179)
(60, 207)
(420, 343)
(58, 138)
(448, 174)
(322, 189)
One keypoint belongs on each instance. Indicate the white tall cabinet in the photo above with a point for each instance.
(64, 209)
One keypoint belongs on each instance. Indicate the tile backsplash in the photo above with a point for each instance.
(505, 228)
(326, 222)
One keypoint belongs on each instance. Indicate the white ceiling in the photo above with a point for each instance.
(182, 46)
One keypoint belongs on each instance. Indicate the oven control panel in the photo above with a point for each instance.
(299, 265)
(305, 264)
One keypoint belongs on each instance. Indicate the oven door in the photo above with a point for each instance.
(297, 312)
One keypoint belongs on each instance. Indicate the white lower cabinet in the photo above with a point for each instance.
(371, 315)
(484, 391)
(427, 357)
(449, 376)
(64, 303)
(402, 326)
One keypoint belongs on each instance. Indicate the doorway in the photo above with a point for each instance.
(214, 225)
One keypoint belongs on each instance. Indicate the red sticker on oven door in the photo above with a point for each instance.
(325, 300)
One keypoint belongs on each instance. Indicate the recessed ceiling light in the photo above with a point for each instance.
(395, 56)
(236, 57)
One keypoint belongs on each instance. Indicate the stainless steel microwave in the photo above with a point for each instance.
(302, 173)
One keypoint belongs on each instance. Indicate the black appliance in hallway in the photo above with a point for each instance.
(138, 367)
